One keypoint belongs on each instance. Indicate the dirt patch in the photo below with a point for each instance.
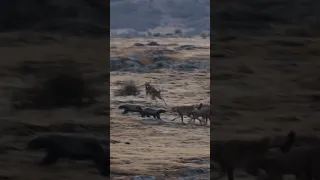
(159, 148)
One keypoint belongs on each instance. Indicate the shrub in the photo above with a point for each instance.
(128, 89)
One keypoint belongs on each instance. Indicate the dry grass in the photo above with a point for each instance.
(159, 150)
(121, 48)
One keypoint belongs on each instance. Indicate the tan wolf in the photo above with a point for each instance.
(243, 153)
(153, 92)
(204, 112)
(184, 110)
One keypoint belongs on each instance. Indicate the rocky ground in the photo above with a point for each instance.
(28, 58)
(147, 147)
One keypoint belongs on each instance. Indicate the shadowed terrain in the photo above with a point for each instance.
(28, 59)
(265, 78)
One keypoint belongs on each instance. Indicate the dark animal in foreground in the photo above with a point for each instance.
(152, 112)
(242, 153)
(130, 108)
(185, 110)
(153, 92)
(303, 161)
(297, 161)
(71, 147)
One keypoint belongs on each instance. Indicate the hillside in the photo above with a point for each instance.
(142, 15)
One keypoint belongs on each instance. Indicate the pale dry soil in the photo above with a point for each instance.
(159, 150)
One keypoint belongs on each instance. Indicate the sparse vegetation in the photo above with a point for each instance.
(156, 34)
(129, 88)
(178, 32)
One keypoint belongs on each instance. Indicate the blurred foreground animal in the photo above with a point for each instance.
(153, 92)
(152, 112)
(185, 110)
(71, 147)
(303, 161)
(243, 153)
(130, 108)
(297, 162)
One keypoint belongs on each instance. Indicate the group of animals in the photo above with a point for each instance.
(67, 146)
(192, 111)
(269, 158)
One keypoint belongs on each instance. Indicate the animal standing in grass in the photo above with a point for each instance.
(153, 92)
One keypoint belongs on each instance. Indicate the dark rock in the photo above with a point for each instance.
(153, 43)
(138, 44)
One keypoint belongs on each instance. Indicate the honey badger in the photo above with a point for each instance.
(152, 112)
(71, 147)
(130, 108)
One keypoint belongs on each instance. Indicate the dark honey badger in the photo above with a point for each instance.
(130, 108)
(152, 112)
(72, 147)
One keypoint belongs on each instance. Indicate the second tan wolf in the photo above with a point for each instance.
(185, 110)
(204, 112)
